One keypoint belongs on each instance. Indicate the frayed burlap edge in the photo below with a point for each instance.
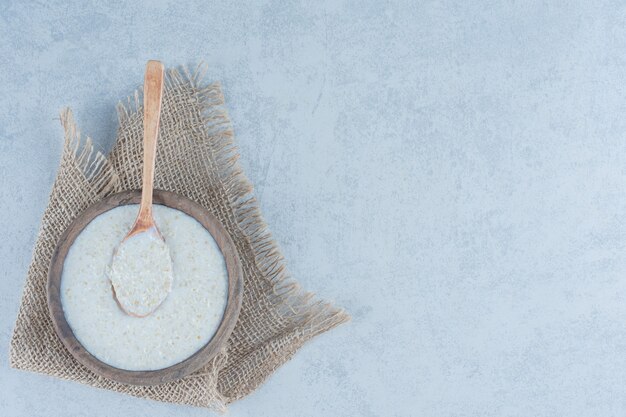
(292, 315)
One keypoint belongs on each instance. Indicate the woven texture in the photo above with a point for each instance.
(195, 158)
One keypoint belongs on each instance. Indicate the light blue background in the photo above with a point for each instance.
(452, 173)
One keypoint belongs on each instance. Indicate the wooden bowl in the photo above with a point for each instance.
(202, 356)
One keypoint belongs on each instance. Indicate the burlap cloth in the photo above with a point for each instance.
(196, 158)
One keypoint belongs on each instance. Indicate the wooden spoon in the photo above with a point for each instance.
(141, 269)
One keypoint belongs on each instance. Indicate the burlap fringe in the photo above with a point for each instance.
(91, 162)
(287, 292)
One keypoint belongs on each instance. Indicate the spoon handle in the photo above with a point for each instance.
(152, 95)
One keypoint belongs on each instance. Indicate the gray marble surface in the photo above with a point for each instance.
(452, 173)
